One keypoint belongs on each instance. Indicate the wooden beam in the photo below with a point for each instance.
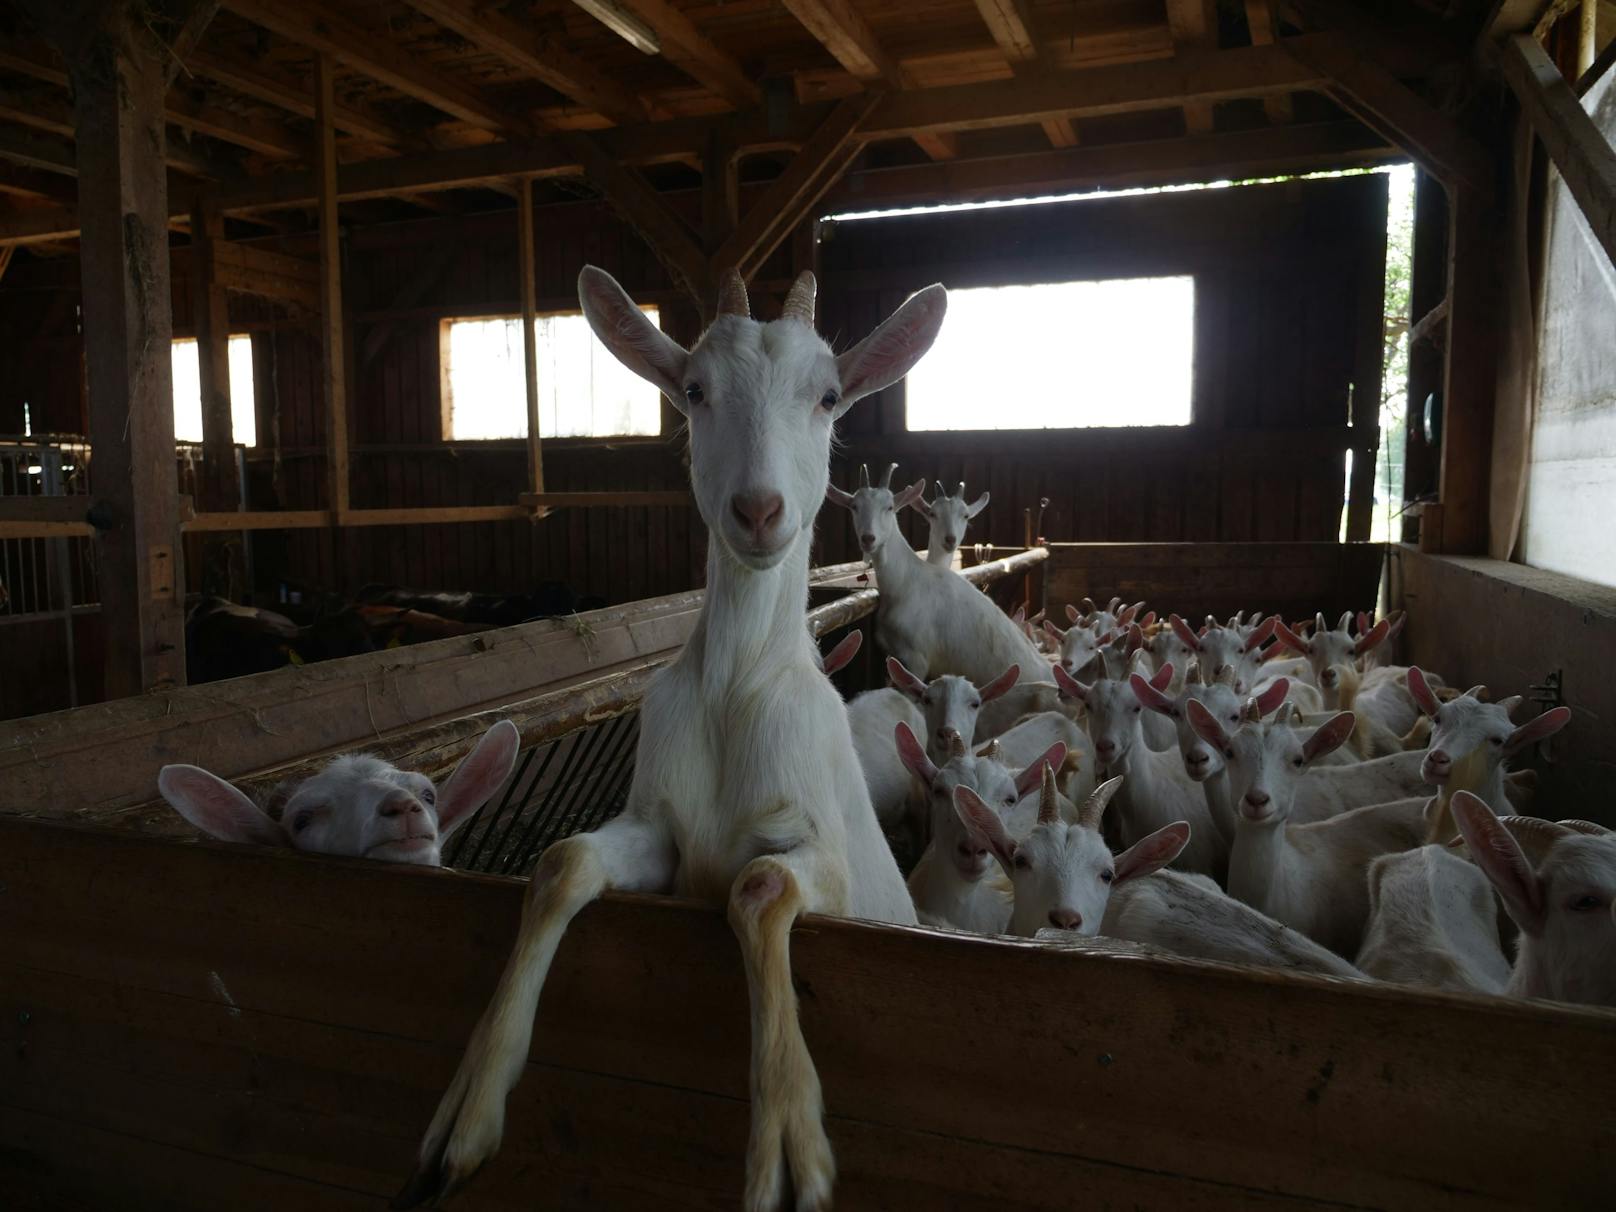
(1581, 152)
(295, 96)
(370, 51)
(644, 209)
(35, 183)
(1368, 372)
(839, 28)
(1262, 22)
(189, 35)
(264, 136)
(51, 151)
(126, 301)
(1010, 23)
(6, 254)
(219, 488)
(1397, 111)
(1194, 26)
(720, 191)
(1431, 326)
(542, 58)
(786, 202)
(693, 53)
(334, 376)
(527, 257)
(1474, 260)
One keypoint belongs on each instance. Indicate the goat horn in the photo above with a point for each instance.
(962, 490)
(864, 475)
(732, 300)
(886, 480)
(1048, 805)
(800, 299)
(1251, 713)
(1093, 809)
(955, 742)
(941, 491)
(991, 750)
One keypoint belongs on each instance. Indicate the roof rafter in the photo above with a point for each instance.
(370, 52)
(1010, 23)
(1194, 25)
(540, 57)
(295, 97)
(1262, 21)
(693, 53)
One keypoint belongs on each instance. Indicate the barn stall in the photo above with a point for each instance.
(190, 1023)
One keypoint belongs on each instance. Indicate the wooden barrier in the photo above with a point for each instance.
(202, 1026)
(1197, 579)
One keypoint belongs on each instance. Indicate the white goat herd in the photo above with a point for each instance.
(1266, 786)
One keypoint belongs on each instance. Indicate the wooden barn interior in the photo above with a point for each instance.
(307, 449)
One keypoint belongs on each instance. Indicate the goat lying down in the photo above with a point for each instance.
(357, 807)
(746, 789)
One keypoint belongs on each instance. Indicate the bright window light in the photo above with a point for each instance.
(1069, 355)
(188, 392)
(584, 392)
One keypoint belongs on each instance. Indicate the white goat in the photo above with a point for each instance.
(1464, 727)
(357, 807)
(951, 703)
(1062, 872)
(1157, 792)
(1309, 877)
(1234, 651)
(1190, 915)
(1433, 920)
(1381, 693)
(1564, 904)
(947, 517)
(746, 789)
(948, 885)
(931, 619)
(871, 718)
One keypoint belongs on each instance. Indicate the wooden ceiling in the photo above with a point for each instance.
(443, 95)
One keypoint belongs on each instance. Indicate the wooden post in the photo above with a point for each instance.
(526, 264)
(1368, 376)
(1471, 373)
(118, 86)
(335, 363)
(220, 488)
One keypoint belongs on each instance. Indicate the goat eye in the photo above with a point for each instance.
(1437, 718)
(1496, 740)
(976, 705)
(302, 820)
(1021, 862)
(430, 795)
(1586, 902)
(830, 399)
(1229, 753)
(1107, 876)
(693, 393)
(1297, 762)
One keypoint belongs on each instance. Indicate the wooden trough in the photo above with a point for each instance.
(186, 1025)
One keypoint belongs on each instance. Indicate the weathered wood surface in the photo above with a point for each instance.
(1196, 579)
(201, 1026)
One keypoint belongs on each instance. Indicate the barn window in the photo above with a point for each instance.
(1066, 355)
(188, 392)
(584, 392)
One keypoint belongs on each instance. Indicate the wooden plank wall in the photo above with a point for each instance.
(1281, 292)
(198, 1026)
(1509, 627)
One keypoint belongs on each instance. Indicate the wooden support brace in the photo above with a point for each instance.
(527, 258)
(1470, 381)
(334, 377)
(1585, 158)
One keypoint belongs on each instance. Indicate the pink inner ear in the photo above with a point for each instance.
(1273, 696)
(1070, 686)
(1152, 853)
(844, 651)
(1206, 726)
(1376, 635)
(1001, 684)
(1148, 695)
(1421, 690)
(1290, 639)
(913, 755)
(1053, 632)
(1033, 775)
(984, 822)
(1183, 631)
(903, 679)
(1260, 636)
(1329, 736)
(1546, 725)
(1163, 677)
(1500, 858)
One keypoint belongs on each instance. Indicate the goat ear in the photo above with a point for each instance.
(985, 823)
(1501, 860)
(1053, 632)
(905, 681)
(1001, 684)
(217, 808)
(1206, 725)
(1545, 726)
(634, 341)
(1034, 774)
(845, 650)
(1264, 629)
(1164, 676)
(1372, 638)
(978, 505)
(480, 773)
(1072, 613)
(909, 495)
(1152, 853)
(1290, 639)
(1149, 696)
(837, 496)
(1329, 736)
(891, 351)
(1421, 690)
(1184, 632)
(1270, 699)
(1070, 686)
(913, 754)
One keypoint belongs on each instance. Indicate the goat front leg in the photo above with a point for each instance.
(787, 1109)
(628, 853)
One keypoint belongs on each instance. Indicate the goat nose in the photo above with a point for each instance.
(1257, 799)
(867, 539)
(1105, 746)
(398, 805)
(757, 511)
(1065, 919)
(1438, 757)
(950, 539)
